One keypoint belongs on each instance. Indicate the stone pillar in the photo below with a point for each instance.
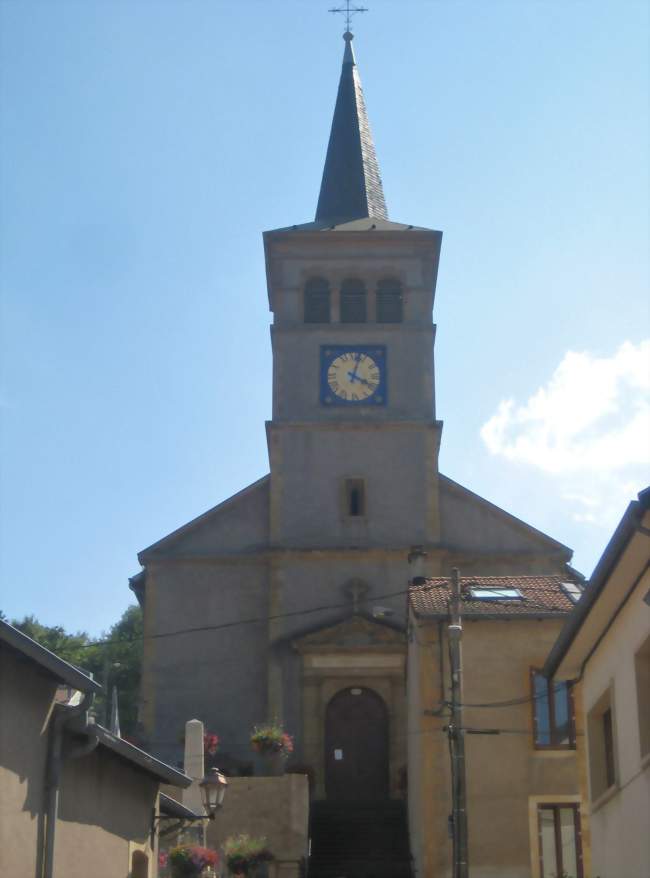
(194, 765)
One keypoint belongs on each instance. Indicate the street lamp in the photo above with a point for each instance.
(213, 789)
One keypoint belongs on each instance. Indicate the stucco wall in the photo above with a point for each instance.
(619, 822)
(309, 467)
(503, 771)
(26, 698)
(218, 676)
(276, 808)
(105, 811)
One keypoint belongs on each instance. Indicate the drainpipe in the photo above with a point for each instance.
(63, 715)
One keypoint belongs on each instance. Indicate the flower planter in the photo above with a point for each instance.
(274, 763)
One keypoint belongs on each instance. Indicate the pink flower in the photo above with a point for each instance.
(210, 743)
(163, 859)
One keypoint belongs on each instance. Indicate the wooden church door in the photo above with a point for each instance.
(356, 746)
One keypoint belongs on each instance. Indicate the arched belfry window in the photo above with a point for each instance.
(389, 301)
(317, 300)
(353, 301)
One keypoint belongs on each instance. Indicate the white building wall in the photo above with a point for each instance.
(620, 819)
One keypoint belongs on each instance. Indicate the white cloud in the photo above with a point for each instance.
(589, 426)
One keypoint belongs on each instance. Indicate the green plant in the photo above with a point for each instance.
(188, 861)
(243, 852)
(271, 738)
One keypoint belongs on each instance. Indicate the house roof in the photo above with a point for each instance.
(600, 601)
(145, 761)
(351, 186)
(542, 595)
(172, 808)
(49, 662)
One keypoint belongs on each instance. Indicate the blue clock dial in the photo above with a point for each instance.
(353, 375)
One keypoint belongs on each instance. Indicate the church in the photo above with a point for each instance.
(291, 597)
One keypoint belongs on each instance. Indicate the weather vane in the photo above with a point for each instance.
(348, 10)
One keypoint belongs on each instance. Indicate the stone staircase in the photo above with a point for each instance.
(365, 840)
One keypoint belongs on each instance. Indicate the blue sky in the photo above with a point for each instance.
(147, 145)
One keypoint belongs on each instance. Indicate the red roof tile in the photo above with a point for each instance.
(541, 595)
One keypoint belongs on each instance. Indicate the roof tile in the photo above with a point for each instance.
(541, 595)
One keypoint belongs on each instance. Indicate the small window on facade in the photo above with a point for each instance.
(389, 301)
(572, 590)
(608, 746)
(353, 301)
(642, 670)
(602, 746)
(560, 848)
(317, 301)
(355, 498)
(552, 713)
(495, 594)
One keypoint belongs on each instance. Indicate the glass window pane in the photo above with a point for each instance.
(562, 736)
(542, 712)
(568, 830)
(547, 842)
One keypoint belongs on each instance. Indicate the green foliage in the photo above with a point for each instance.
(271, 738)
(121, 658)
(242, 852)
(188, 861)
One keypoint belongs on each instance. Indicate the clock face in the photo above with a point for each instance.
(353, 375)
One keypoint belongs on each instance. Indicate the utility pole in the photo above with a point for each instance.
(457, 734)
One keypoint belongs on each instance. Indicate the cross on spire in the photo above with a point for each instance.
(349, 9)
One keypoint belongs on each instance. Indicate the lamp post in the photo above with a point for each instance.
(213, 789)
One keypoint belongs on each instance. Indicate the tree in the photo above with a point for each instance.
(114, 658)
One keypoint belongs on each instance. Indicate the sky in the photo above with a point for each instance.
(145, 145)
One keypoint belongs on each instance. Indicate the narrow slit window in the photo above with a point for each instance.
(317, 301)
(355, 498)
(642, 669)
(601, 730)
(389, 301)
(608, 741)
(353, 301)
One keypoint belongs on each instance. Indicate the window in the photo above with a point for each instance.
(601, 731)
(355, 498)
(495, 594)
(642, 669)
(552, 713)
(608, 746)
(353, 301)
(389, 301)
(572, 590)
(560, 849)
(317, 301)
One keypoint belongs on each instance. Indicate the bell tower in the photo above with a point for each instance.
(353, 442)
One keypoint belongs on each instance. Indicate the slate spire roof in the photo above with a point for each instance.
(351, 187)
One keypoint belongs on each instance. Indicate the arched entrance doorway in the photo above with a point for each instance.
(356, 746)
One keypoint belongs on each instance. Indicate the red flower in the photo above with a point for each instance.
(210, 743)
(163, 859)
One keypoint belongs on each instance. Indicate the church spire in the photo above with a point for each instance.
(351, 187)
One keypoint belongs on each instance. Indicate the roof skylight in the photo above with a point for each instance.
(572, 591)
(489, 593)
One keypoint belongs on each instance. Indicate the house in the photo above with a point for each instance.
(75, 799)
(522, 735)
(604, 648)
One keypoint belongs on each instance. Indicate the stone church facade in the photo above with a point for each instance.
(293, 592)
